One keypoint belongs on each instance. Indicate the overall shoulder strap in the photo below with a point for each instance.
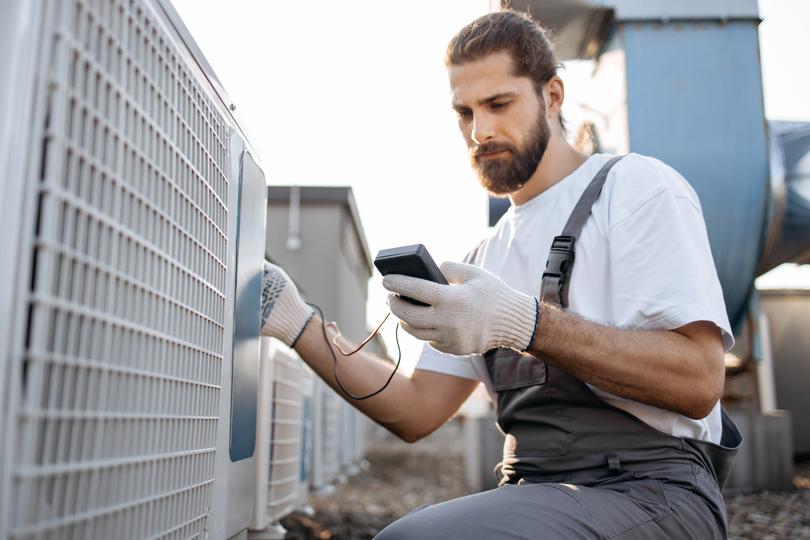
(554, 288)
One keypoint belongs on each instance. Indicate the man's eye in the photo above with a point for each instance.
(497, 106)
(464, 113)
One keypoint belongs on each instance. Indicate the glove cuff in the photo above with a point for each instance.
(290, 319)
(515, 325)
(283, 314)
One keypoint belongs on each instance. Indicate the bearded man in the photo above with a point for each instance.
(606, 374)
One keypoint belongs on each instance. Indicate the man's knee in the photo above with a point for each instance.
(407, 527)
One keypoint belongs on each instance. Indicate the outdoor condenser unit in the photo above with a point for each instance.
(308, 378)
(326, 438)
(346, 438)
(132, 216)
(352, 439)
(361, 437)
(279, 436)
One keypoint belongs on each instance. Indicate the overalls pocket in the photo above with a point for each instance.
(511, 370)
(520, 381)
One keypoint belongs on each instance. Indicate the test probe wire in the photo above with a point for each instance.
(363, 344)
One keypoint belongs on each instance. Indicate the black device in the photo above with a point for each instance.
(414, 261)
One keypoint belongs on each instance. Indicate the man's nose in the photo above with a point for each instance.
(482, 129)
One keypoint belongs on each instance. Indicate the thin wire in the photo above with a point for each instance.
(332, 324)
(334, 357)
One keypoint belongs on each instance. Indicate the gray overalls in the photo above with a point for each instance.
(573, 465)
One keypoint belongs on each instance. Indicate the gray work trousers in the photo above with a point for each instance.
(628, 506)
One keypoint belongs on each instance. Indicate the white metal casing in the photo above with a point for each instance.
(326, 437)
(118, 158)
(308, 380)
(279, 433)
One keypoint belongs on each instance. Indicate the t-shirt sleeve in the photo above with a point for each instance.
(433, 360)
(662, 270)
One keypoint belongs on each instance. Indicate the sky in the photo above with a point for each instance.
(354, 92)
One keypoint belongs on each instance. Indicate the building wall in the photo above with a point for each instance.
(329, 267)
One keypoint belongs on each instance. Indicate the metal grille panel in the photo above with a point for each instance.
(285, 449)
(330, 438)
(306, 451)
(115, 429)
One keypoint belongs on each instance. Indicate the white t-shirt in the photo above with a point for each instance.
(642, 261)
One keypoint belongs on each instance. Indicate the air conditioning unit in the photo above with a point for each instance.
(279, 438)
(308, 379)
(361, 436)
(347, 437)
(133, 218)
(353, 437)
(326, 438)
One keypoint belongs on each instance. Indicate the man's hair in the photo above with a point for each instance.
(510, 31)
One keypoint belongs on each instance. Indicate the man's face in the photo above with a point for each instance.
(502, 119)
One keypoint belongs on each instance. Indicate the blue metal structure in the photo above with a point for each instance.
(694, 100)
(790, 205)
(248, 282)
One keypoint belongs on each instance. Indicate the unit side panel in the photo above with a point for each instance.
(119, 379)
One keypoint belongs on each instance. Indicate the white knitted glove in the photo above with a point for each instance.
(475, 313)
(283, 314)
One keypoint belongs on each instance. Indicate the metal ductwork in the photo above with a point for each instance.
(789, 211)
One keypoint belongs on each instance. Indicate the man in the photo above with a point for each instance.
(607, 374)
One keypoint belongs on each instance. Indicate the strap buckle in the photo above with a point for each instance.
(614, 464)
(560, 258)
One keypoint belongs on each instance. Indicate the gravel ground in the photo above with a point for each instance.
(399, 477)
(773, 515)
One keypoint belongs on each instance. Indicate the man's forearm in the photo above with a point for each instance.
(661, 368)
(360, 374)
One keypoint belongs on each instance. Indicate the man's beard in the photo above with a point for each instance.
(504, 175)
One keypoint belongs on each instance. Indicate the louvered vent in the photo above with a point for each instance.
(114, 425)
(285, 442)
(330, 436)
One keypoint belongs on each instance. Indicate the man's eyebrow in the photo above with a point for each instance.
(496, 97)
(486, 100)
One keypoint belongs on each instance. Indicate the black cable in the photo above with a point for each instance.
(334, 357)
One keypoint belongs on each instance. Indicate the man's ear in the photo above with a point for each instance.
(554, 95)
